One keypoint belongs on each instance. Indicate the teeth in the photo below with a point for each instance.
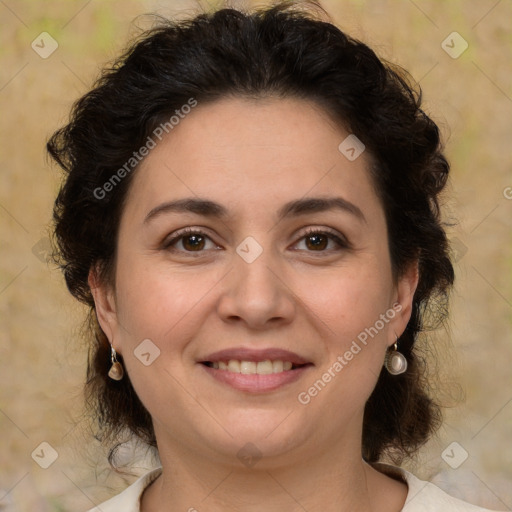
(247, 367)
(277, 366)
(250, 367)
(265, 367)
(234, 366)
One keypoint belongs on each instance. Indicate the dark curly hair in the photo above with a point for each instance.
(282, 51)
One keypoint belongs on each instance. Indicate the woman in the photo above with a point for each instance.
(251, 212)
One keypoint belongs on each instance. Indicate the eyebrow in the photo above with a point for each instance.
(295, 208)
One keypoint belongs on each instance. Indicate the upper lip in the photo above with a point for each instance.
(246, 354)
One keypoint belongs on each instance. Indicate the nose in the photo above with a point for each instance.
(256, 294)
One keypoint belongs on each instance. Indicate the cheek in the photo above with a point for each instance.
(356, 316)
(158, 303)
(348, 301)
(157, 315)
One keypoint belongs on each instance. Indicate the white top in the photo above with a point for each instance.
(423, 496)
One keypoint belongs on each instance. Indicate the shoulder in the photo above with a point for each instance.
(129, 499)
(423, 496)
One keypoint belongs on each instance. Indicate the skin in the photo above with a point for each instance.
(253, 156)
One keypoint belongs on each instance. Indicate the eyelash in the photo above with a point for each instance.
(167, 245)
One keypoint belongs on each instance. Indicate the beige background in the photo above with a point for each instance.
(42, 358)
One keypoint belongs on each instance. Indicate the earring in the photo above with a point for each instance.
(395, 361)
(116, 371)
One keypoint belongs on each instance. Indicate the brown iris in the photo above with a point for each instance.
(193, 242)
(319, 241)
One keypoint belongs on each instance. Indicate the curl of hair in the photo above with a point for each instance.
(281, 51)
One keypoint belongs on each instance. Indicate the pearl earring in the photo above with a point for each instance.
(116, 371)
(395, 361)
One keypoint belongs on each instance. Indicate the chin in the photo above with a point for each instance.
(257, 434)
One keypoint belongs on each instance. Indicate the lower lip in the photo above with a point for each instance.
(255, 383)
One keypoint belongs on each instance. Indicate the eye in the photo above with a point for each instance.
(316, 240)
(190, 240)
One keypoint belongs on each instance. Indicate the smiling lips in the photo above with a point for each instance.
(255, 370)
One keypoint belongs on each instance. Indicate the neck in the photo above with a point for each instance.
(327, 483)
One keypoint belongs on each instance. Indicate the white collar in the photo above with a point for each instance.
(422, 496)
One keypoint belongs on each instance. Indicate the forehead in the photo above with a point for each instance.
(252, 152)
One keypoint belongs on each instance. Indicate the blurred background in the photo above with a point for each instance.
(50, 52)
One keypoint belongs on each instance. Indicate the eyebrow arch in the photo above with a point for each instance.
(295, 208)
(319, 204)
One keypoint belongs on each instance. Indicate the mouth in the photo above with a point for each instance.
(255, 371)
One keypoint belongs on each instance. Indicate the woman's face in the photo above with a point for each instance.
(287, 261)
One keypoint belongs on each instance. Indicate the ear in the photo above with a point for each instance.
(405, 290)
(105, 305)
